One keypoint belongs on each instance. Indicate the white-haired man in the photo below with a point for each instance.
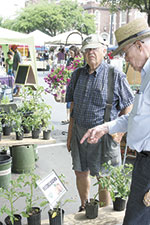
(134, 42)
(97, 94)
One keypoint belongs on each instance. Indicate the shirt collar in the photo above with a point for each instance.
(146, 68)
(98, 69)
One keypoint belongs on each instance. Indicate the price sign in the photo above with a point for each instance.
(52, 187)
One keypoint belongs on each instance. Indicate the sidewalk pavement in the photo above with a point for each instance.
(106, 216)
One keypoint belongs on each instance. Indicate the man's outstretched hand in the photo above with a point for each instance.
(94, 134)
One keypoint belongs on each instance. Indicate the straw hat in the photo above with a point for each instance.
(92, 41)
(136, 30)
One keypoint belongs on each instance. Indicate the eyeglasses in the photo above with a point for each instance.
(124, 53)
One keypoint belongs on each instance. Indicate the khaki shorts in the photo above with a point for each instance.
(90, 157)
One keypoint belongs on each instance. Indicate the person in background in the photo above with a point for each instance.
(9, 63)
(46, 55)
(134, 44)
(73, 52)
(88, 97)
(61, 56)
(16, 61)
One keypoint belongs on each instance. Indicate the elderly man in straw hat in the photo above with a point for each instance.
(89, 91)
(134, 42)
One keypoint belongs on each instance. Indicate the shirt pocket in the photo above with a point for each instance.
(97, 98)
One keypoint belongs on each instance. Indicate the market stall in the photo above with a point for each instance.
(9, 37)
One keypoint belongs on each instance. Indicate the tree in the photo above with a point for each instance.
(52, 18)
(141, 5)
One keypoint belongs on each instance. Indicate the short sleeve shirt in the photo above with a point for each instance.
(89, 95)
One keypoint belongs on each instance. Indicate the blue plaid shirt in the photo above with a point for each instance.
(89, 95)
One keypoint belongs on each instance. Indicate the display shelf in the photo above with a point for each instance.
(27, 140)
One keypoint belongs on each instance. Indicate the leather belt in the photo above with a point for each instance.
(145, 153)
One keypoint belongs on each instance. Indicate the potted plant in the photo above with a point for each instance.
(91, 207)
(18, 127)
(56, 215)
(120, 180)
(7, 120)
(32, 212)
(104, 187)
(39, 113)
(12, 194)
(46, 120)
(36, 123)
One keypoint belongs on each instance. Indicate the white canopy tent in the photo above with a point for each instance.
(73, 37)
(39, 37)
(9, 37)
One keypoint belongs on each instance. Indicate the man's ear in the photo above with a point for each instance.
(138, 44)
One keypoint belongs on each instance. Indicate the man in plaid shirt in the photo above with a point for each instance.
(88, 96)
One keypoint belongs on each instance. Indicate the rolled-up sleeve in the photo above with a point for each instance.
(118, 125)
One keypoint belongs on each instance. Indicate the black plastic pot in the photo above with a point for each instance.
(35, 133)
(19, 136)
(46, 134)
(16, 222)
(7, 130)
(26, 130)
(119, 204)
(91, 209)
(58, 219)
(35, 218)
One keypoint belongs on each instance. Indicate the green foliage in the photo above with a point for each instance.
(118, 181)
(8, 117)
(52, 18)
(12, 194)
(17, 119)
(117, 5)
(36, 112)
(31, 200)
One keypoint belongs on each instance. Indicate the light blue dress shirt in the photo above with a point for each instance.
(137, 123)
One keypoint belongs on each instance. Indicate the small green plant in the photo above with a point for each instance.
(56, 210)
(119, 180)
(12, 194)
(8, 117)
(31, 200)
(37, 112)
(17, 126)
